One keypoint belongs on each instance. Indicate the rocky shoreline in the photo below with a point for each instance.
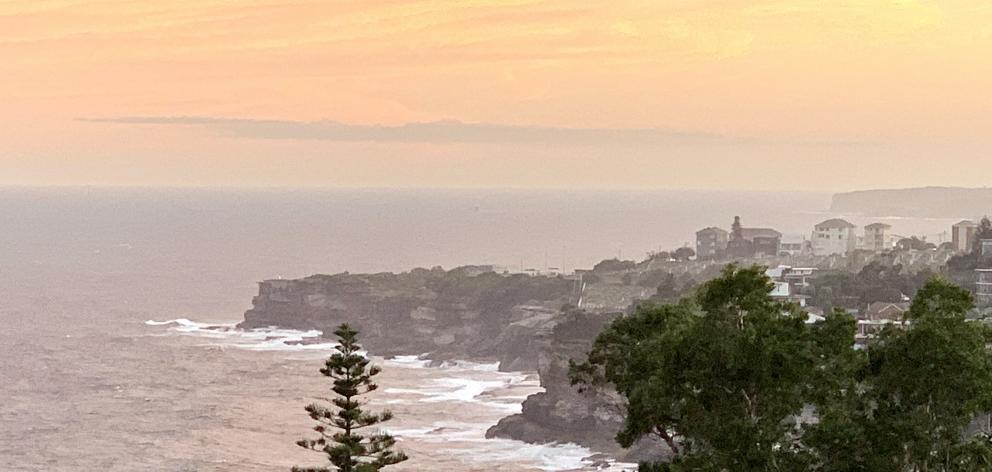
(465, 313)
(563, 413)
(526, 323)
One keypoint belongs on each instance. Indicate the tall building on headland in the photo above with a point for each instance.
(877, 237)
(740, 242)
(963, 235)
(711, 243)
(983, 283)
(834, 236)
(752, 242)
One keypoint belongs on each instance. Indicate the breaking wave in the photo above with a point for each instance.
(423, 362)
(259, 339)
(470, 443)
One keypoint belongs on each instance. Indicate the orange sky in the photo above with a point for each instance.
(786, 94)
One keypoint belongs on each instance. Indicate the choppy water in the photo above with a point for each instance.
(102, 369)
(442, 412)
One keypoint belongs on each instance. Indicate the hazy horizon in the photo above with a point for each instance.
(755, 94)
(590, 189)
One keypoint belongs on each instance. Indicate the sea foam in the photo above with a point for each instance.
(258, 339)
(472, 446)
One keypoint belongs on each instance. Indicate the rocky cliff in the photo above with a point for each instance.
(561, 413)
(465, 313)
(471, 313)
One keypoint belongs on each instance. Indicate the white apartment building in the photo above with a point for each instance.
(834, 236)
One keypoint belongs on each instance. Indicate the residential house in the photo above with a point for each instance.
(963, 235)
(783, 292)
(880, 314)
(799, 277)
(800, 248)
(711, 243)
(751, 242)
(792, 249)
(894, 311)
(814, 314)
(877, 238)
(790, 283)
(764, 241)
(776, 273)
(834, 236)
(983, 283)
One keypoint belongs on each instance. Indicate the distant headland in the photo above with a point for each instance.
(923, 202)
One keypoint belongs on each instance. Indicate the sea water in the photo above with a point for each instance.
(118, 346)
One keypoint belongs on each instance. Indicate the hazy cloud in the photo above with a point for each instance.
(439, 132)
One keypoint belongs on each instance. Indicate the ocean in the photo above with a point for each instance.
(117, 345)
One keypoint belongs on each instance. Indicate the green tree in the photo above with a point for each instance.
(684, 253)
(875, 282)
(961, 268)
(914, 243)
(340, 426)
(723, 378)
(984, 230)
(912, 395)
(667, 289)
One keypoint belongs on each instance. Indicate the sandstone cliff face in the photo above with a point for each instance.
(563, 414)
(462, 313)
(466, 314)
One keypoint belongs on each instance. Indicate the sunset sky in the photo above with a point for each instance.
(777, 94)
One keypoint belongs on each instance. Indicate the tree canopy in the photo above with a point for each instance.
(875, 282)
(914, 243)
(339, 427)
(732, 380)
(719, 378)
(913, 393)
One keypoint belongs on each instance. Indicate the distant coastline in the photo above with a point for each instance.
(922, 202)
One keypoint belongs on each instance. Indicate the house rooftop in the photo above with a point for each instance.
(751, 233)
(878, 226)
(712, 229)
(836, 223)
(966, 223)
(878, 308)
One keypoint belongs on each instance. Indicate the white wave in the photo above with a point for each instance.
(185, 323)
(473, 366)
(423, 362)
(444, 431)
(509, 407)
(468, 390)
(259, 339)
(411, 362)
(162, 323)
(449, 390)
(463, 390)
(476, 448)
(548, 457)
